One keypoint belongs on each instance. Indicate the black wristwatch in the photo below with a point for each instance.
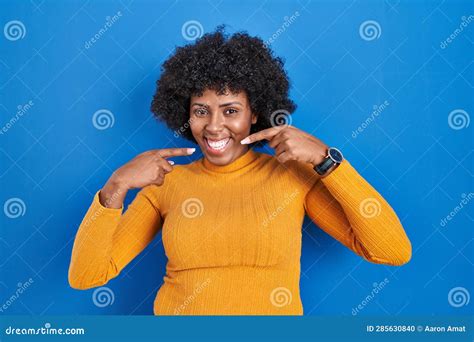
(333, 158)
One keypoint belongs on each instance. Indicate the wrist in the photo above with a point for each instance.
(333, 158)
(113, 193)
(117, 183)
(319, 157)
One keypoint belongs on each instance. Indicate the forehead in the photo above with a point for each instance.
(210, 96)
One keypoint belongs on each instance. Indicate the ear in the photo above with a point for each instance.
(254, 118)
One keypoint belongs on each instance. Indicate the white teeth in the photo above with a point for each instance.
(219, 144)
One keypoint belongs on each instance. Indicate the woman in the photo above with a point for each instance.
(231, 221)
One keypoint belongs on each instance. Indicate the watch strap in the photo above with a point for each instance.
(323, 167)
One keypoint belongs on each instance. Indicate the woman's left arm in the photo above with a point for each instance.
(348, 208)
(343, 203)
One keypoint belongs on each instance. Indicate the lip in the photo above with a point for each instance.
(217, 151)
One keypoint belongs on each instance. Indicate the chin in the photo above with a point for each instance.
(220, 161)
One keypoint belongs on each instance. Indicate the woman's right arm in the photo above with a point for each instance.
(108, 240)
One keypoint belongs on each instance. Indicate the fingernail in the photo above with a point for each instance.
(191, 150)
(171, 162)
(245, 141)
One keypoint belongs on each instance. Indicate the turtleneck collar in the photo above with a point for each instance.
(241, 162)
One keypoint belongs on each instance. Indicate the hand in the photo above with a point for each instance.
(145, 169)
(291, 143)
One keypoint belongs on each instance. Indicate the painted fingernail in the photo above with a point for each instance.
(245, 141)
(171, 162)
(191, 150)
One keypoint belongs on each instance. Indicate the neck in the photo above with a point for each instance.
(243, 160)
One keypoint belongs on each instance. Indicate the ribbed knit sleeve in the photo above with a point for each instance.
(348, 208)
(108, 240)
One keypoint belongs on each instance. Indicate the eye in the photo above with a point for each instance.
(230, 111)
(200, 112)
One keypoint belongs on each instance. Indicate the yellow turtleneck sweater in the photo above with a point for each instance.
(232, 233)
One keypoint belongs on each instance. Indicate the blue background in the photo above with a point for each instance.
(54, 159)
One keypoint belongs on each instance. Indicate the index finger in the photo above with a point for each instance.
(267, 133)
(175, 152)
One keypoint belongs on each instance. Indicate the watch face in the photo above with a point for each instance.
(335, 155)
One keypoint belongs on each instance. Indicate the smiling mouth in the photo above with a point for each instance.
(217, 146)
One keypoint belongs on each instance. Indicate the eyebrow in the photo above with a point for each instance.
(230, 103)
(221, 105)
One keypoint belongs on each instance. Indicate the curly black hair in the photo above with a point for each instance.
(222, 63)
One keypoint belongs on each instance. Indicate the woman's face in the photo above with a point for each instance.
(219, 123)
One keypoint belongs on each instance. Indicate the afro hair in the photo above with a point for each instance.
(222, 63)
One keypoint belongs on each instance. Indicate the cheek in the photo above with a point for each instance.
(196, 127)
(240, 127)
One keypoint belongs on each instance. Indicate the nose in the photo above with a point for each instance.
(215, 123)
